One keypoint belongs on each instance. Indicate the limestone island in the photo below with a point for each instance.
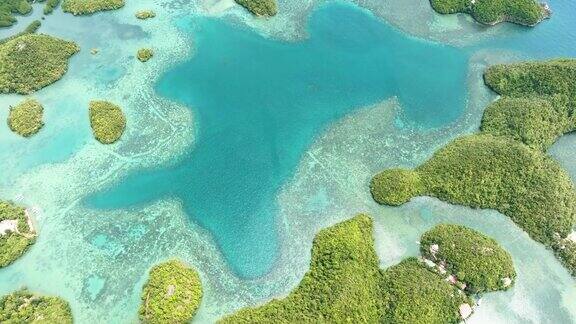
(345, 283)
(33, 61)
(265, 8)
(505, 166)
(88, 7)
(492, 12)
(172, 294)
(107, 121)
(144, 54)
(16, 232)
(25, 119)
(145, 14)
(25, 307)
(9, 8)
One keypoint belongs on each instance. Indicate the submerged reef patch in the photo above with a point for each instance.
(33, 61)
(172, 294)
(107, 121)
(260, 7)
(345, 284)
(16, 232)
(504, 166)
(25, 119)
(492, 12)
(87, 7)
(25, 307)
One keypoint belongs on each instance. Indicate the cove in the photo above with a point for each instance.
(260, 102)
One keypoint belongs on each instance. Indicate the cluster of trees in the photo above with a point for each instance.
(25, 119)
(490, 12)
(345, 283)
(8, 8)
(107, 121)
(25, 307)
(266, 8)
(33, 61)
(14, 243)
(87, 7)
(504, 167)
(172, 294)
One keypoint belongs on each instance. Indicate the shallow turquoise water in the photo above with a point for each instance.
(260, 102)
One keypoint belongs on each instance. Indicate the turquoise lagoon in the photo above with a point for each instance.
(286, 136)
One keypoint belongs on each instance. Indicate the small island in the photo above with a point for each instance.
(145, 54)
(16, 232)
(26, 307)
(145, 14)
(504, 166)
(33, 61)
(25, 119)
(492, 12)
(345, 283)
(107, 121)
(10, 7)
(266, 8)
(172, 294)
(88, 7)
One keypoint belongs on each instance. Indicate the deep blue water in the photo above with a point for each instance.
(259, 103)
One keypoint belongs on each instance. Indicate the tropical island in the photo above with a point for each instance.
(25, 119)
(107, 121)
(266, 8)
(87, 7)
(33, 61)
(492, 12)
(144, 54)
(23, 306)
(16, 232)
(345, 283)
(172, 294)
(504, 166)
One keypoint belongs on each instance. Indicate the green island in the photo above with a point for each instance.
(107, 121)
(504, 166)
(50, 6)
(145, 54)
(33, 61)
(172, 294)
(266, 8)
(88, 7)
(492, 12)
(8, 8)
(16, 232)
(145, 14)
(25, 119)
(345, 283)
(460, 248)
(23, 306)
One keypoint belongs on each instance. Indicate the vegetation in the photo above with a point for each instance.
(87, 7)
(260, 7)
(491, 12)
(25, 307)
(474, 258)
(505, 166)
(50, 6)
(107, 121)
(25, 119)
(144, 54)
(415, 295)
(10, 7)
(171, 295)
(32, 62)
(145, 14)
(30, 29)
(14, 241)
(345, 284)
